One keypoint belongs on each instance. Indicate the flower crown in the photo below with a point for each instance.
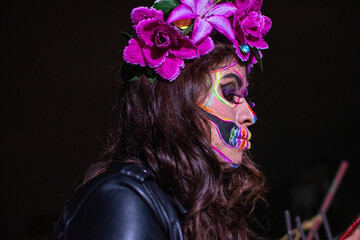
(162, 46)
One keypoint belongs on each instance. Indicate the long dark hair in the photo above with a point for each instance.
(160, 126)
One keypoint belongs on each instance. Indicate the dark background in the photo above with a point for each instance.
(59, 61)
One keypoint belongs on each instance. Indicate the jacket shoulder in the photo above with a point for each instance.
(125, 202)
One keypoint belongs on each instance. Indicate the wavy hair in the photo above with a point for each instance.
(160, 126)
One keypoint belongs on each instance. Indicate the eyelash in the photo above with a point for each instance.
(230, 95)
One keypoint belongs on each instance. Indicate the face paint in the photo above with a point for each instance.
(252, 112)
(212, 93)
(232, 135)
(229, 113)
(221, 154)
(226, 67)
(216, 85)
(232, 91)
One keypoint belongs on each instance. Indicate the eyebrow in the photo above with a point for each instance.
(237, 77)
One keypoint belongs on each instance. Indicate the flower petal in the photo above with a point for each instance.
(154, 57)
(255, 5)
(252, 58)
(222, 25)
(170, 69)
(201, 30)
(140, 13)
(242, 5)
(239, 34)
(244, 57)
(133, 53)
(251, 24)
(249, 67)
(266, 26)
(190, 3)
(185, 49)
(201, 6)
(181, 12)
(206, 46)
(224, 9)
(146, 30)
(257, 42)
(162, 39)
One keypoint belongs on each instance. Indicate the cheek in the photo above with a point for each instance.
(210, 99)
(216, 90)
(222, 110)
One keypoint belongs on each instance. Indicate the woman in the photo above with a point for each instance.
(177, 165)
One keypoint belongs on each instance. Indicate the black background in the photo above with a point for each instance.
(59, 61)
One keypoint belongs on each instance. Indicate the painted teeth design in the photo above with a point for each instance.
(234, 137)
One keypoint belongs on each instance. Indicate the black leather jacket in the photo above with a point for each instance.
(125, 203)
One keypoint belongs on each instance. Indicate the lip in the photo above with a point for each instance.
(243, 144)
(244, 138)
(243, 134)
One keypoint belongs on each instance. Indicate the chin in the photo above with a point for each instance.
(234, 155)
(238, 159)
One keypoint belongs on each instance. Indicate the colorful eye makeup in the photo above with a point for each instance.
(231, 90)
(235, 89)
(228, 112)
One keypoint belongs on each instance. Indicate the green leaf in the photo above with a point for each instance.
(166, 5)
(258, 59)
(126, 35)
(152, 80)
(188, 29)
(134, 79)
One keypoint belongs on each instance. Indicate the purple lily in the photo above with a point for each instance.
(250, 26)
(208, 15)
(158, 44)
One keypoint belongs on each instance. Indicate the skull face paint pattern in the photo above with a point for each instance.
(232, 135)
(228, 112)
(232, 94)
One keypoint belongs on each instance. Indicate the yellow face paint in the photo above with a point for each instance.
(216, 85)
(226, 108)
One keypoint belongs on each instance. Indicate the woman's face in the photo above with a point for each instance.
(229, 113)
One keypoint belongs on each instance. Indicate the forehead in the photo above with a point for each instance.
(232, 67)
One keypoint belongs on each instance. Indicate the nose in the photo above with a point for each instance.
(245, 115)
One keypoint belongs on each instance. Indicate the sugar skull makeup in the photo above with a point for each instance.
(232, 135)
(229, 113)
